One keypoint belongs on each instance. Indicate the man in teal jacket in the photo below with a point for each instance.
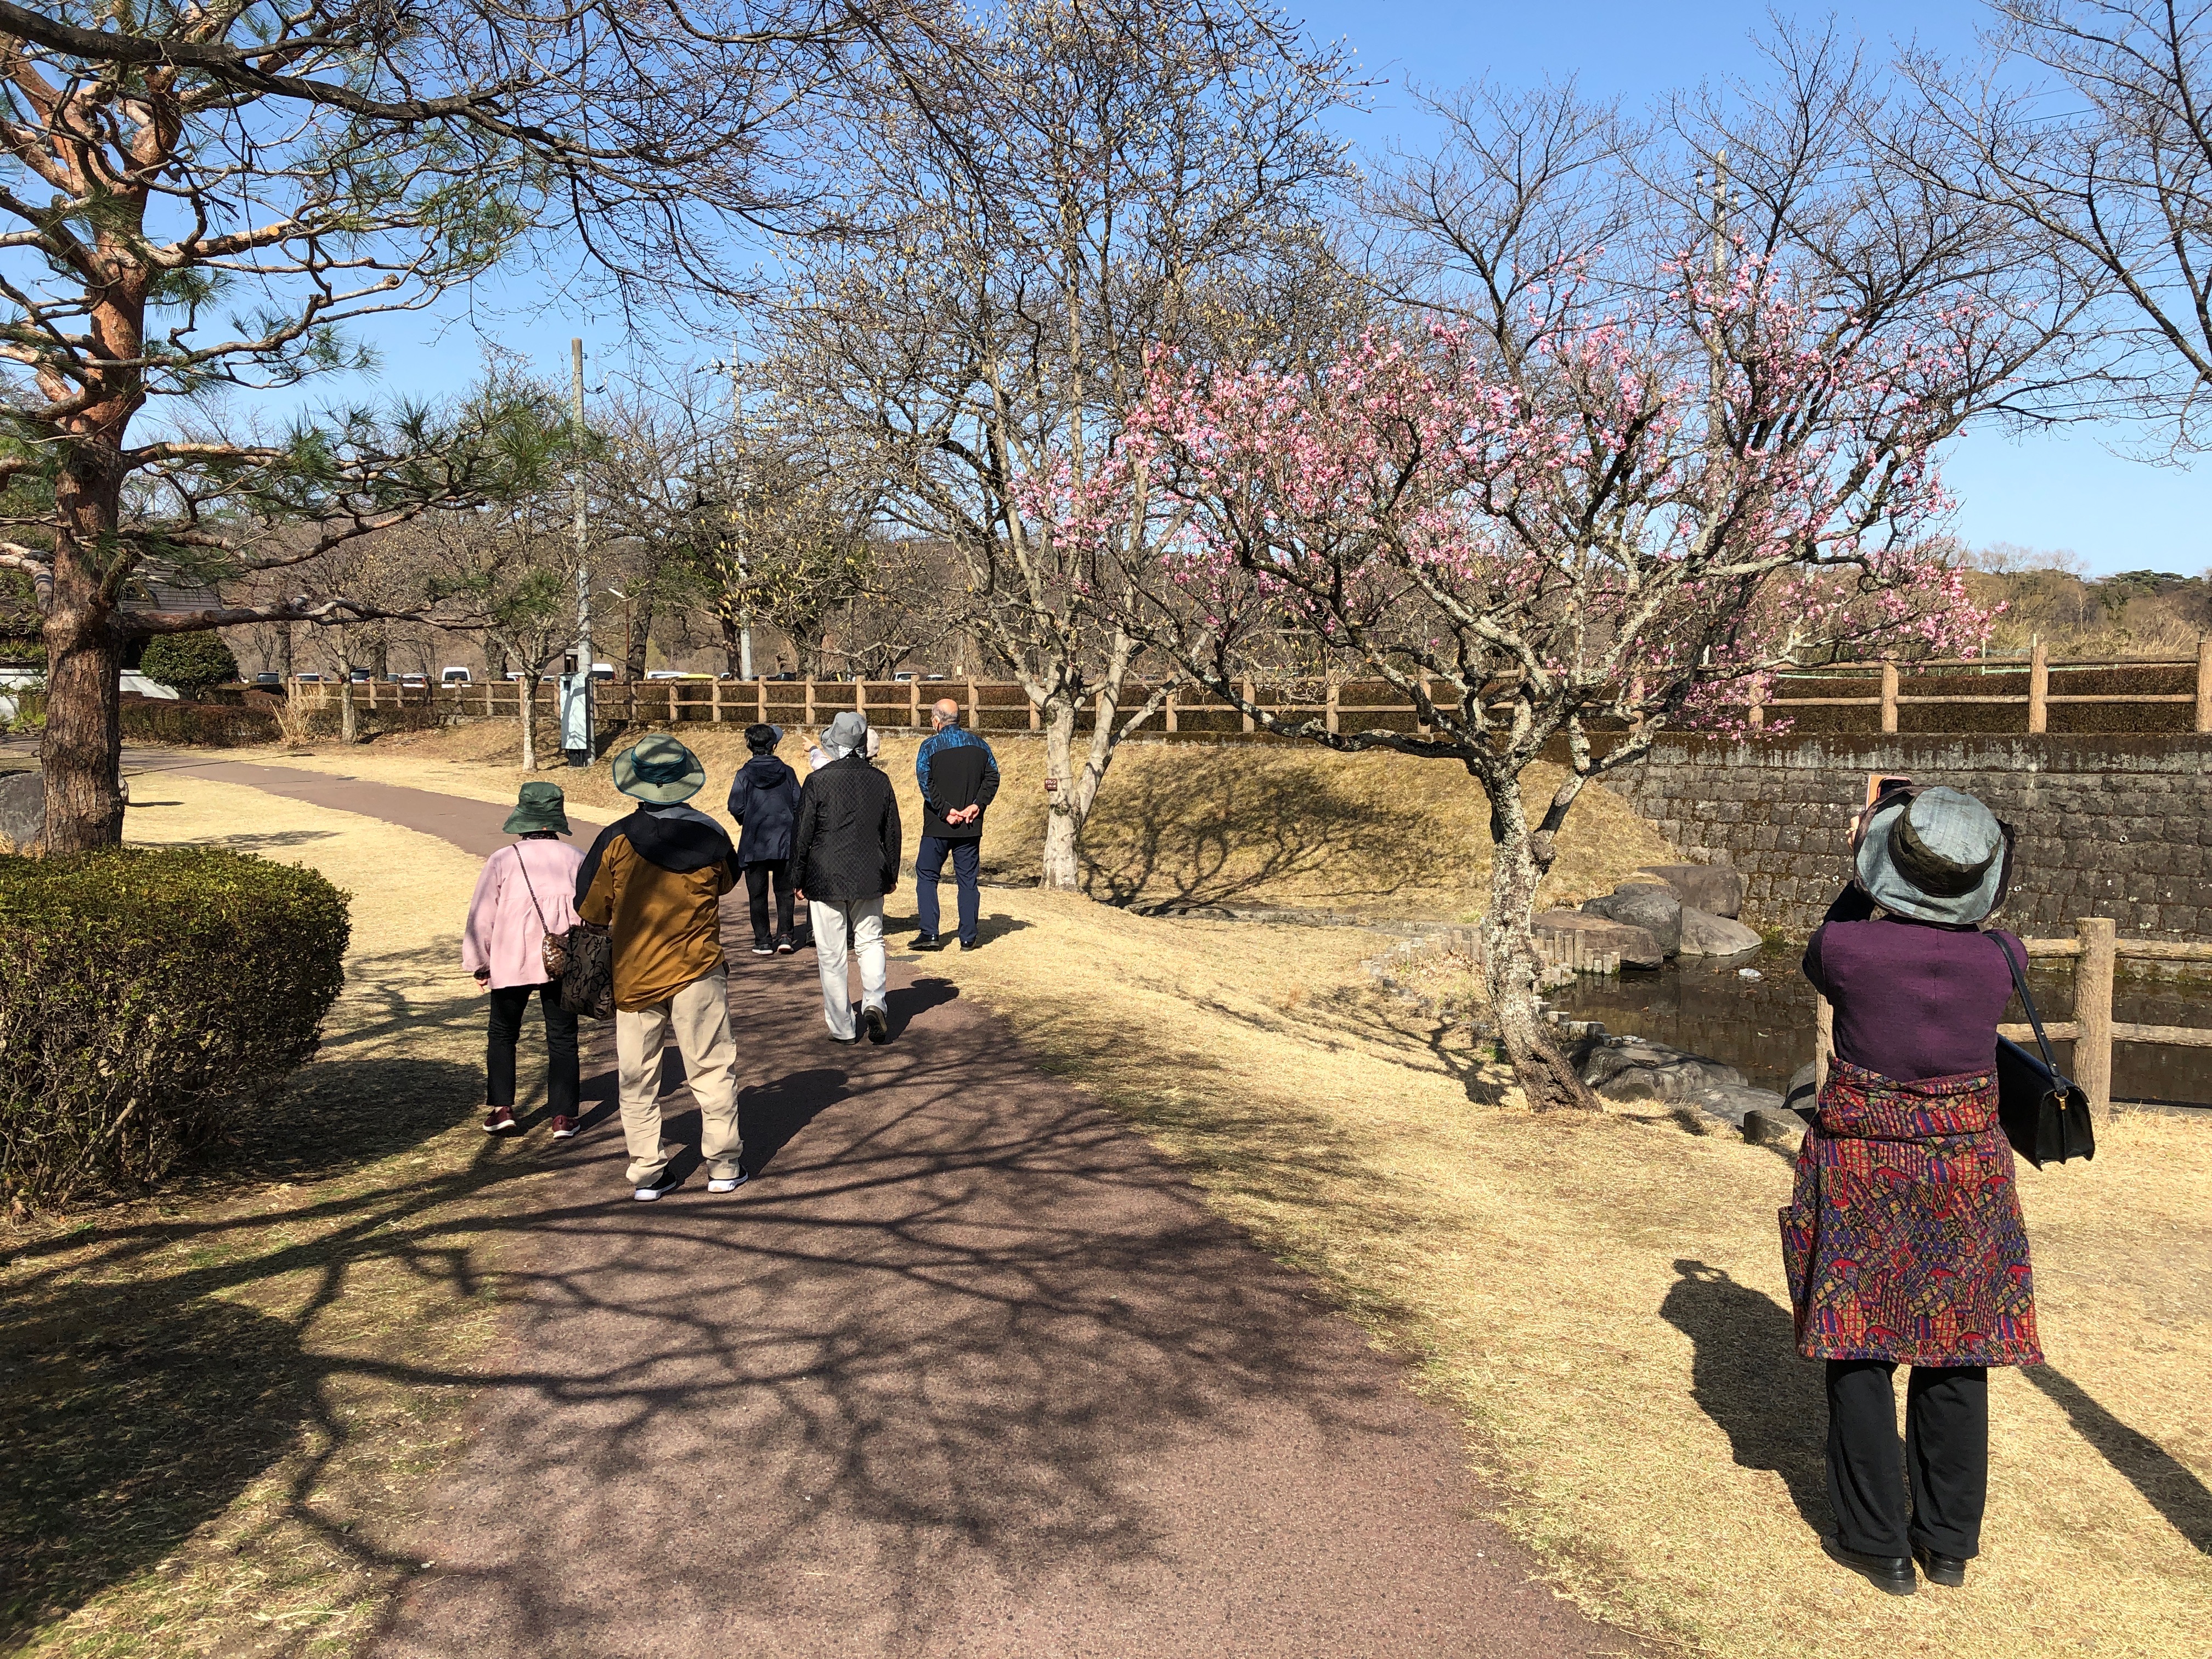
(959, 777)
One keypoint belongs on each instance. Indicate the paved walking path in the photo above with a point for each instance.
(967, 1369)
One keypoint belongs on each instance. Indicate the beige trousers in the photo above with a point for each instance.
(842, 926)
(699, 1016)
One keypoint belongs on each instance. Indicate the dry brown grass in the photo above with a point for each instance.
(1177, 823)
(222, 1400)
(1601, 1299)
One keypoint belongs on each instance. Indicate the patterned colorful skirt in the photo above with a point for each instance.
(1904, 1238)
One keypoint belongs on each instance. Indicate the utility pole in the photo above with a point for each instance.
(738, 434)
(576, 726)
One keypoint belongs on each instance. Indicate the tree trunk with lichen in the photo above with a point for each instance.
(1519, 860)
(1061, 868)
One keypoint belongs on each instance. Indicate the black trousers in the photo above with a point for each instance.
(1945, 1457)
(756, 885)
(562, 1084)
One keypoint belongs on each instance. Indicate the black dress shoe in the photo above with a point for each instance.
(927, 942)
(1948, 1570)
(1892, 1573)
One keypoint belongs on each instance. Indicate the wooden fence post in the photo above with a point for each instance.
(2092, 1012)
(1171, 711)
(809, 701)
(914, 704)
(2204, 683)
(760, 691)
(1329, 709)
(861, 697)
(973, 725)
(716, 716)
(2038, 689)
(1889, 696)
(1249, 724)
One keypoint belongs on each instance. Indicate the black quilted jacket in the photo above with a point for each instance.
(848, 841)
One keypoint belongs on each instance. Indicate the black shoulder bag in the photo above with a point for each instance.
(2045, 1114)
(580, 962)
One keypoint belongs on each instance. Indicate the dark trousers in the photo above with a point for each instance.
(1945, 1457)
(756, 885)
(929, 870)
(561, 1083)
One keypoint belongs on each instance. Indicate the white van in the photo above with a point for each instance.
(455, 675)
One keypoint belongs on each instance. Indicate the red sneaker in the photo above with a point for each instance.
(499, 1121)
(563, 1127)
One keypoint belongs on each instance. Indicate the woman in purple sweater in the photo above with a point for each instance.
(1903, 1240)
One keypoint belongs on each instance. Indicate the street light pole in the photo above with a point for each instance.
(580, 754)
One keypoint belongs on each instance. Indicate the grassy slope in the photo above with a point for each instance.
(1377, 834)
(1602, 1300)
(223, 1400)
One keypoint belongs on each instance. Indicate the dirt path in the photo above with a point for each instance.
(966, 1369)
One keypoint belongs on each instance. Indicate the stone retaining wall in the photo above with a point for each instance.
(2109, 826)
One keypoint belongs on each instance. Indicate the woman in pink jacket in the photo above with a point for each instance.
(526, 891)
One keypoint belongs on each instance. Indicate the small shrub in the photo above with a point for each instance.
(188, 663)
(144, 992)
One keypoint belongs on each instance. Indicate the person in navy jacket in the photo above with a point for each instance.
(959, 777)
(764, 801)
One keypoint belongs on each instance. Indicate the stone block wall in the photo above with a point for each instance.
(2108, 825)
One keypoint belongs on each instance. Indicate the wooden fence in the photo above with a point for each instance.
(2095, 948)
(1002, 706)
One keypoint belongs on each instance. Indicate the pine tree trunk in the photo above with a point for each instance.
(1063, 820)
(530, 721)
(1511, 966)
(82, 747)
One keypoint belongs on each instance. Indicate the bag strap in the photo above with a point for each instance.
(2020, 983)
(523, 864)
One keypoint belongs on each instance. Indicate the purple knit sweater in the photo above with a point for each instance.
(1913, 999)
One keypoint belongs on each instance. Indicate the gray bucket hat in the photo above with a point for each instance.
(539, 806)
(658, 771)
(848, 732)
(1938, 855)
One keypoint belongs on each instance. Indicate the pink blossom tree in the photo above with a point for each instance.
(1625, 524)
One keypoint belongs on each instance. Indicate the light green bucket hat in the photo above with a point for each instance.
(539, 806)
(658, 771)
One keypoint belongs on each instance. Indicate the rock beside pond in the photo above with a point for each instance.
(1774, 1126)
(1648, 905)
(1707, 935)
(1716, 888)
(1636, 1068)
(1635, 947)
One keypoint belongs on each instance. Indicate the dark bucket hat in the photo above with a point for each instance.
(1934, 855)
(658, 771)
(539, 806)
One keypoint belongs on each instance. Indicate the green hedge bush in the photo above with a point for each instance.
(145, 993)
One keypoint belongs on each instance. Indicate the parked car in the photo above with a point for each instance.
(675, 674)
(308, 679)
(268, 679)
(415, 679)
(455, 674)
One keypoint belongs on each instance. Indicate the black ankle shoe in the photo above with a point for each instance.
(1892, 1573)
(1948, 1570)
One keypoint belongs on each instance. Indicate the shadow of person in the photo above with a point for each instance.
(771, 1114)
(906, 1004)
(128, 1421)
(2166, 1484)
(1746, 1374)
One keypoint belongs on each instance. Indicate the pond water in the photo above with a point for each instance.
(1764, 1026)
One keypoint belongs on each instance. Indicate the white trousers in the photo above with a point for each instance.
(698, 1016)
(838, 924)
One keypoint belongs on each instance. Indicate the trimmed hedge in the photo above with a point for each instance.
(145, 994)
(211, 725)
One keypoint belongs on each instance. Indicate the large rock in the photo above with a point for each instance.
(1635, 947)
(22, 808)
(1636, 1068)
(1708, 935)
(1716, 888)
(1648, 905)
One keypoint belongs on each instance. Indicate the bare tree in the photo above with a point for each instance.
(1074, 185)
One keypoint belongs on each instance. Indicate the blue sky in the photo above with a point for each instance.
(2050, 492)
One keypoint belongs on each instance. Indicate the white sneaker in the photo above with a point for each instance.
(728, 1183)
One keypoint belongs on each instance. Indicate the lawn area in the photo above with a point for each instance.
(1256, 826)
(222, 1401)
(1602, 1301)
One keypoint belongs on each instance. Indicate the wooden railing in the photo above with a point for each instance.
(1003, 705)
(2095, 950)
(2036, 699)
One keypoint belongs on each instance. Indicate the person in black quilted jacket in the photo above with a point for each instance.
(845, 854)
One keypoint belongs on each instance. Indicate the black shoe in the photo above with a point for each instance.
(928, 942)
(763, 948)
(879, 1026)
(784, 947)
(968, 945)
(1892, 1573)
(844, 1041)
(1948, 1570)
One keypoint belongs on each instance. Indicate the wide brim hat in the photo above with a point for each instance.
(539, 806)
(849, 731)
(658, 771)
(1934, 855)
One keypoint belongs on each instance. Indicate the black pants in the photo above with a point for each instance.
(1945, 1457)
(562, 1085)
(756, 884)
